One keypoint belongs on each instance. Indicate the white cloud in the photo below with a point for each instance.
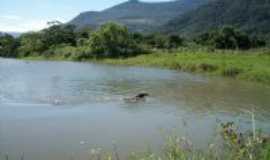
(13, 23)
(10, 17)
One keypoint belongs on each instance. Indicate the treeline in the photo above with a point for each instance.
(229, 38)
(113, 41)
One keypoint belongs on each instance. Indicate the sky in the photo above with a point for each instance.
(33, 15)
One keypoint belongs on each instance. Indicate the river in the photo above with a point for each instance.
(62, 110)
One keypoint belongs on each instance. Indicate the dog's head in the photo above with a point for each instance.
(142, 95)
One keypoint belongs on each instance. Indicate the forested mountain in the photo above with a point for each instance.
(14, 34)
(138, 16)
(252, 16)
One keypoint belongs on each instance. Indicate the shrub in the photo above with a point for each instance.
(68, 52)
(8, 46)
(59, 34)
(229, 38)
(231, 71)
(156, 40)
(175, 41)
(207, 67)
(113, 40)
(31, 43)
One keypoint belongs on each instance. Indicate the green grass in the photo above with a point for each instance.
(231, 145)
(41, 58)
(252, 65)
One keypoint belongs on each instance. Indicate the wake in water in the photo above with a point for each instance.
(71, 100)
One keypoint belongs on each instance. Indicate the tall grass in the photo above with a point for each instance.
(233, 145)
(251, 65)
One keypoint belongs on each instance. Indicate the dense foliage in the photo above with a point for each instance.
(137, 15)
(8, 45)
(252, 16)
(114, 41)
(31, 43)
(229, 38)
(229, 144)
(110, 40)
(161, 41)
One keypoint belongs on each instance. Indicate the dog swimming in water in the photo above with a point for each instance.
(138, 98)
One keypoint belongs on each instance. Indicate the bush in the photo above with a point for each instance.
(8, 46)
(31, 43)
(82, 53)
(68, 52)
(175, 41)
(231, 71)
(156, 40)
(229, 38)
(59, 34)
(160, 41)
(113, 40)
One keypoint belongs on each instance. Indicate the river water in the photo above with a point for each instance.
(63, 110)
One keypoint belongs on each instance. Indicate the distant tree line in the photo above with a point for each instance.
(114, 41)
(229, 38)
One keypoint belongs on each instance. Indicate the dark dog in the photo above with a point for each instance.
(138, 98)
(142, 95)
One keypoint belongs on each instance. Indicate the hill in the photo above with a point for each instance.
(252, 16)
(14, 34)
(138, 16)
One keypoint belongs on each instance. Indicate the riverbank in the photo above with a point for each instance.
(250, 65)
(245, 65)
(180, 105)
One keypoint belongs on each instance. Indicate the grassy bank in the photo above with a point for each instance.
(230, 144)
(252, 65)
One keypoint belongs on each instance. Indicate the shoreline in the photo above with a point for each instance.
(253, 66)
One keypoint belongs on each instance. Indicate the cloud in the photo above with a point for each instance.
(10, 17)
(14, 23)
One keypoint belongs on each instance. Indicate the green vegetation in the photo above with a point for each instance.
(137, 15)
(112, 43)
(231, 145)
(8, 45)
(248, 15)
(161, 41)
(112, 40)
(229, 38)
(253, 65)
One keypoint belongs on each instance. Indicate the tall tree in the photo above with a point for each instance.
(31, 43)
(8, 46)
(113, 40)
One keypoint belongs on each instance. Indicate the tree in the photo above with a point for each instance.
(59, 34)
(84, 32)
(54, 23)
(8, 46)
(83, 35)
(113, 40)
(138, 37)
(175, 41)
(156, 40)
(31, 43)
(229, 37)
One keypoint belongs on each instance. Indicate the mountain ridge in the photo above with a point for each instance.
(14, 34)
(248, 15)
(137, 15)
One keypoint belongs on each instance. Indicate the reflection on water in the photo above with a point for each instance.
(55, 110)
